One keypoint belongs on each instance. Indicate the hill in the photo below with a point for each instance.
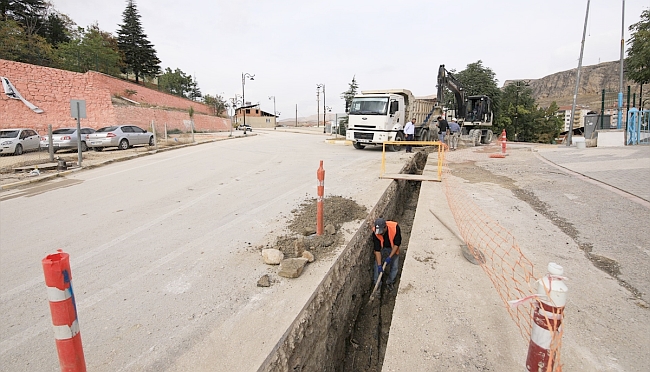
(560, 86)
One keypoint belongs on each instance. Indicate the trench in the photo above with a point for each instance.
(338, 329)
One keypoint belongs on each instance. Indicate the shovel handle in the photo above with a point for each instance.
(378, 281)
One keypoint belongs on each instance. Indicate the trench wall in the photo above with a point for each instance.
(317, 338)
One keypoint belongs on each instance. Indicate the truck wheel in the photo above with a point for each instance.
(476, 137)
(358, 146)
(488, 137)
(394, 148)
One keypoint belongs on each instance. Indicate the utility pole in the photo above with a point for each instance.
(575, 92)
(324, 108)
(296, 115)
(318, 86)
(275, 124)
(619, 123)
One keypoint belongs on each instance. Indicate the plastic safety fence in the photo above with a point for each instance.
(496, 250)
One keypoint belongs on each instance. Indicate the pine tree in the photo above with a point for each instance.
(139, 55)
(350, 93)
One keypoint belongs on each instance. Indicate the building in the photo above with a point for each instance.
(564, 112)
(255, 117)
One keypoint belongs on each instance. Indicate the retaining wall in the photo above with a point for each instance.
(317, 339)
(51, 90)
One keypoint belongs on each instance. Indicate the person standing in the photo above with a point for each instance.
(387, 237)
(454, 133)
(409, 131)
(443, 125)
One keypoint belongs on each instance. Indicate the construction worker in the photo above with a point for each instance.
(387, 238)
(454, 133)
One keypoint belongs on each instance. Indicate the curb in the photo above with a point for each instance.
(129, 157)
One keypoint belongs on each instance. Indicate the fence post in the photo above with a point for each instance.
(548, 313)
(58, 279)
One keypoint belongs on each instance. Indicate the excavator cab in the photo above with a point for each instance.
(479, 110)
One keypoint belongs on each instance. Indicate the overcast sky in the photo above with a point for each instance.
(293, 45)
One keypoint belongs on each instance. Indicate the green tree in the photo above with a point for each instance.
(177, 83)
(17, 45)
(350, 93)
(57, 28)
(217, 103)
(638, 52)
(139, 54)
(546, 125)
(30, 14)
(516, 111)
(92, 49)
(195, 92)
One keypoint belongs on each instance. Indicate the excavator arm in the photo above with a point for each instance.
(447, 80)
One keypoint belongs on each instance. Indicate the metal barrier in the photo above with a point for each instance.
(638, 127)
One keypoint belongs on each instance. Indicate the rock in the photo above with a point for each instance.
(292, 267)
(264, 281)
(330, 229)
(309, 256)
(272, 256)
(309, 231)
(298, 247)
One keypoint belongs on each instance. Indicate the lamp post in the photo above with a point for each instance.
(518, 84)
(318, 86)
(324, 111)
(233, 105)
(275, 124)
(245, 76)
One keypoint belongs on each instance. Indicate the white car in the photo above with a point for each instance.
(122, 136)
(18, 140)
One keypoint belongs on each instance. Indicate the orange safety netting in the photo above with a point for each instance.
(499, 255)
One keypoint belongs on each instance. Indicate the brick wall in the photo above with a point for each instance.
(52, 89)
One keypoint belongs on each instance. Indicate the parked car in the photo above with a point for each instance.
(122, 136)
(18, 140)
(245, 127)
(66, 138)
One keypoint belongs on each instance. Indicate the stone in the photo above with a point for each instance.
(272, 256)
(298, 247)
(264, 281)
(292, 267)
(309, 256)
(330, 229)
(309, 231)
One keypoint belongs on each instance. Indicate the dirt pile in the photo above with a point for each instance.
(337, 210)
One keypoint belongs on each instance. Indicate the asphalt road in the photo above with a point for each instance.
(163, 248)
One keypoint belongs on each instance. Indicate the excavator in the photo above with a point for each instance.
(474, 113)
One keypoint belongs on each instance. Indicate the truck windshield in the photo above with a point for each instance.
(369, 106)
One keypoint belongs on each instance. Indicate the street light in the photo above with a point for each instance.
(518, 84)
(326, 109)
(245, 76)
(275, 124)
(318, 86)
(233, 104)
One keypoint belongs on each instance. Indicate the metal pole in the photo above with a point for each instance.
(517, 110)
(78, 135)
(575, 92)
(50, 146)
(324, 109)
(296, 115)
(243, 98)
(619, 123)
(602, 111)
(317, 105)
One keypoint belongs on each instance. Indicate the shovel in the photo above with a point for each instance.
(372, 295)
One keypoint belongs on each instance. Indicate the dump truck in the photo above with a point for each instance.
(378, 116)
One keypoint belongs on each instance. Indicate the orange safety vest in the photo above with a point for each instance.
(392, 231)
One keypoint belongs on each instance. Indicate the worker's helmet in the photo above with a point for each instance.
(453, 119)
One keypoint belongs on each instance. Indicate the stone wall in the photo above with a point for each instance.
(174, 119)
(52, 89)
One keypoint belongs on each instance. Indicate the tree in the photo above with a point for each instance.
(91, 49)
(217, 103)
(30, 14)
(178, 83)
(638, 52)
(17, 45)
(139, 54)
(350, 93)
(547, 125)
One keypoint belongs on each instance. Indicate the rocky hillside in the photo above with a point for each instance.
(559, 87)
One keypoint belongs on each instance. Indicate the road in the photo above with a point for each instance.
(163, 249)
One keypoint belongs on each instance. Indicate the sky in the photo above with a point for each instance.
(293, 45)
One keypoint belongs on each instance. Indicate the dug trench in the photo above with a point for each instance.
(339, 329)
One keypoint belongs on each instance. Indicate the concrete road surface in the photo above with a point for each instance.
(163, 251)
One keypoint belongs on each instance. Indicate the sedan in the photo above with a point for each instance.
(66, 138)
(18, 140)
(122, 136)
